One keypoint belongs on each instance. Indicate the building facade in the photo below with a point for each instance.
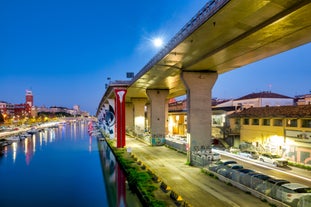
(283, 130)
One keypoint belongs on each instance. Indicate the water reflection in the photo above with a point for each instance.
(115, 179)
(52, 168)
(14, 146)
(60, 166)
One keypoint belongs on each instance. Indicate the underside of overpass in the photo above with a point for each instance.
(223, 36)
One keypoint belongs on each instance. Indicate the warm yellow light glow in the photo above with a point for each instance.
(277, 140)
(139, 120)
(139, 124)
(170, 125)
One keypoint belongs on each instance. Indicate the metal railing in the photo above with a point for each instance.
(202, 16)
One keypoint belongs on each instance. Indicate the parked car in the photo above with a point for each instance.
(220, 163)
(258, 179)
(253, 179)
(276, 160)
(269, 186)
(238, 173)
(227, 162)
(227, 169)
(294, 194)
(250, 154)
(215, 156)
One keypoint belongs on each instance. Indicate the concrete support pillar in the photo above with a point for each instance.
(120, 115)
(158, 115)
(199, 110)
(139, 115)
(129, 116)
(148, 106)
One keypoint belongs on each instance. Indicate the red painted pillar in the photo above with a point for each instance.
(120, 116)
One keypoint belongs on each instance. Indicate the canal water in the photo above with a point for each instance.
(62, 166)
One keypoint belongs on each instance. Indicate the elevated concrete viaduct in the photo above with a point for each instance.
(222, 36)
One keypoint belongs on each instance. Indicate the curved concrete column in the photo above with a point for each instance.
(199, 109)
(158, 115)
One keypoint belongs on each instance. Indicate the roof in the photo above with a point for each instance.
(295, 186)
(263, 94)
(275, 111)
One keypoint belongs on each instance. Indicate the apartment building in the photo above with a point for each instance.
(284, 130)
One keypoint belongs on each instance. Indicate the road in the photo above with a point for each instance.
(195, 187)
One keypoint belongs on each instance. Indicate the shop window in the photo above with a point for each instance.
(306, 123)
(255, 122)
(291, 123)
(266, 122)
(277, 122)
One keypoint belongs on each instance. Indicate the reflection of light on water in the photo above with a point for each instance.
(14, 146)
(52, 135)
(26, 146)
(82, 129)
(44, 134)
(75, 129)
(45, 139)
(90, 144)
(40, 139)
(34, 143)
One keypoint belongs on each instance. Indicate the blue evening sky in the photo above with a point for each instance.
(64, 50)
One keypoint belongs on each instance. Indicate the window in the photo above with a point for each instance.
(266, 122)
(306, 123)
(255, 122)
(291, 122)
(237, 121)
(246, 121)
(277, 122)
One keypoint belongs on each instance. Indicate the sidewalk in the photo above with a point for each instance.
(189, 182)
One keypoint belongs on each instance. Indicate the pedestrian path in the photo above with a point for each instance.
(194, 187)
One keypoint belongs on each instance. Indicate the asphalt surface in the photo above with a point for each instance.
(195, 188)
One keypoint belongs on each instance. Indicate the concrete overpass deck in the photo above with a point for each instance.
(222, 36)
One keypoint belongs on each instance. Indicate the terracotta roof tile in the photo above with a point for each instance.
(303, 111)
(264, 94)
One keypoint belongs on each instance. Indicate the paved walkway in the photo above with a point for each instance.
(196, 188)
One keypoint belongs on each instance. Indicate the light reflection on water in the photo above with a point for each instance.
(62, 166)
(56, 167)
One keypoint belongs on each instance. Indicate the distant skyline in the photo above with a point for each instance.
(64, 51)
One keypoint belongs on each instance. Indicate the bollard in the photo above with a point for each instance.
(175, 196)
(164, 187)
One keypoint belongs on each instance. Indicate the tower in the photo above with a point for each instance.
(29, 98)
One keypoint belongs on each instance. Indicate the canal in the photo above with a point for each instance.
(62, 166)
